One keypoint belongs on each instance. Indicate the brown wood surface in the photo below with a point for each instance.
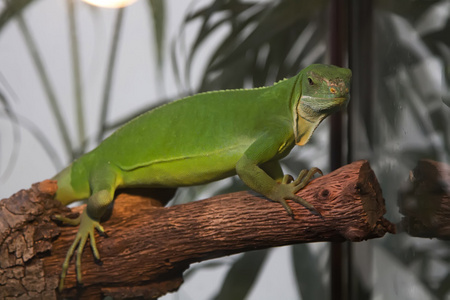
(149, 247)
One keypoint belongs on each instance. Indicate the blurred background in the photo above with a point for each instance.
(72, 72)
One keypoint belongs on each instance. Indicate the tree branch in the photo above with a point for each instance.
(149, 247)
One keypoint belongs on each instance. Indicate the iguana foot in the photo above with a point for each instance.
(67, 221)
(290, 186)
(85, 231)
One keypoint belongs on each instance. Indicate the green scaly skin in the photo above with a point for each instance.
(204, 138)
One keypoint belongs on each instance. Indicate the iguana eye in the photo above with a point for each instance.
(310, 81)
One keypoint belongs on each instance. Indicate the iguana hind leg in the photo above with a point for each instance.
(89, 221)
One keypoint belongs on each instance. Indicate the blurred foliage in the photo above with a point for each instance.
(310, 277)
(242, 275)
(157, 10)
(12, 117)
(264, 41)
(411, 122)
(13, 11)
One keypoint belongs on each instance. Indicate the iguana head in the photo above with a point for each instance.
(325, 89)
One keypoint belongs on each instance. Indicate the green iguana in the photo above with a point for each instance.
(203, 138)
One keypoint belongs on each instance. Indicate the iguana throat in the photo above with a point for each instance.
(307, 122)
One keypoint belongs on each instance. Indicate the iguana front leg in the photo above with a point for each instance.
(302, 180)
(279, 190)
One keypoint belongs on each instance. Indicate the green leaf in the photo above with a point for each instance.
(242, 275)
(17, 121)
(109, 73)
(46, 83)
(258, 42)
(309, 278)
(272, 24)
(11, 10)
(10, 114)
(157, 12)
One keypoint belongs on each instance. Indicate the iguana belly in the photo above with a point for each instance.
(184, 171)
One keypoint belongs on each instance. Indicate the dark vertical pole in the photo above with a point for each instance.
(361, 57)
(338, 45)
(361, 63)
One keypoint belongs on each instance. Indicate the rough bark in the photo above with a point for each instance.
(425, 201)
(149, 247)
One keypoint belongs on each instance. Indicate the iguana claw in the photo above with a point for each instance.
(296, 185)
(85, 231)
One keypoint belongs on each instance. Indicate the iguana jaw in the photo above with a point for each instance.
(310, 113)
(319, 105)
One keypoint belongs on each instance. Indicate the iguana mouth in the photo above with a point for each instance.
(322, 104)
(341, 99)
